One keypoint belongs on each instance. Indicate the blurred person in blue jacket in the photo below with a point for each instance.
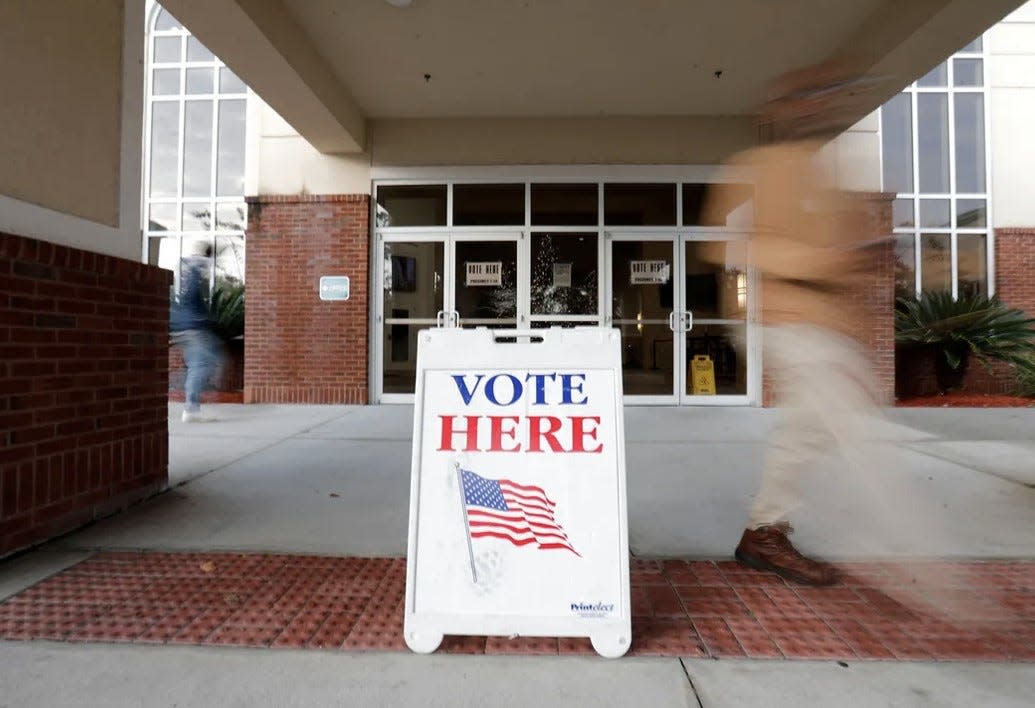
(191, 329)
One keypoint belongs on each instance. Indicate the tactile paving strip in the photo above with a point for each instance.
(907, 611)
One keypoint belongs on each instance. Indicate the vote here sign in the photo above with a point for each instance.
(517, 500)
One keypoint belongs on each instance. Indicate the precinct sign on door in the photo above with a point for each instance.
(518, 522)
(649, 272)
(480, 274)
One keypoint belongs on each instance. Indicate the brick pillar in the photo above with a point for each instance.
(1015, 268)
(83, 378)
(298, 348)
(869, 213)
(1015, 285)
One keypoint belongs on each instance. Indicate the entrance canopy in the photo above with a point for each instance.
(348, 75)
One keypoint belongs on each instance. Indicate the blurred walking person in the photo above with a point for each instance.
(191, 329)
(812, 258)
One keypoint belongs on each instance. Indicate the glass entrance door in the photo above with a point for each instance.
(713, 319)
(442, 281)
(413, 297)
(643, 284)
(486, 286)
(681, 303)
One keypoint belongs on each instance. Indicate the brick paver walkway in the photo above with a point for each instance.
(974, 611)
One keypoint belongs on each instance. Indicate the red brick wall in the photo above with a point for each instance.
(1015, 285)
(870, 213)
(1015, 268)
(83, 380)
(298, 348)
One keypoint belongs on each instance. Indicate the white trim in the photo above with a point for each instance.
(990, 269)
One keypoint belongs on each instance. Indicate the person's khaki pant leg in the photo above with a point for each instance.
(824, 389)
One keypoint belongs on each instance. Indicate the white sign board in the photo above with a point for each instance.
(562, 275)
(334, 287)
(648, 272)
(485, 273)
(518, 520)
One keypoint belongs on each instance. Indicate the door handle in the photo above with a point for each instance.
(440, 318)
(454, 317)
(672, 320)
(688, 321)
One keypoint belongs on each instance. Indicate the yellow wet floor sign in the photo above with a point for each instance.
(702, 375)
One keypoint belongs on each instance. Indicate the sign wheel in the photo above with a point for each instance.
(423, 642)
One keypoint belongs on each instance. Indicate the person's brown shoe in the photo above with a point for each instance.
(768, 548)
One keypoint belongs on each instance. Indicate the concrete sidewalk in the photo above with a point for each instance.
(335, 480)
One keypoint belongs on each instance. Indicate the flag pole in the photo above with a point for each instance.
(467, 525)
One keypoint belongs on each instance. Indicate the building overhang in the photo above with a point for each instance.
(331, 68)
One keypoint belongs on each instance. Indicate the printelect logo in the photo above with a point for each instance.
(594, 608)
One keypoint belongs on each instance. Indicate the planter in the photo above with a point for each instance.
(948, 378)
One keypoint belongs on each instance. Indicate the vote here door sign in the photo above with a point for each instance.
(518, 522)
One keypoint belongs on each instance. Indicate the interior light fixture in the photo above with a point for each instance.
(399, 3)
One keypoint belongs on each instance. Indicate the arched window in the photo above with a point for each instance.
(194, 156)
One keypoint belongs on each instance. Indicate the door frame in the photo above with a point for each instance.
(751, 348)
(680, 361)
(636, 236)
(448, 239)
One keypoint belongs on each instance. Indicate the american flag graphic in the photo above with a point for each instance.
(521, 514)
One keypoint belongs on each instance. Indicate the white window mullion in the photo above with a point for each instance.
(915, 147)
(950, 102)
(989, 221)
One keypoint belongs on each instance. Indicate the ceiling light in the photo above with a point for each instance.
(399, 3)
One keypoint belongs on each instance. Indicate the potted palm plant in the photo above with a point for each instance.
(953, 330)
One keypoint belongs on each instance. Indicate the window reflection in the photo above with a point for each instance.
(640, 204)
(565, 204)
(972, 250)
(935, 262)
(486, 280)
(971, 213)
(938, 76)
(199, 81)
(902, 212)
(167, 49)
(564, 274)
(934, 213)
(905, 266)
(897, 143)
(488, 204)
(411, 205)
(230, 165)
(165, 119)
(932, 110)
(229, 257)
(970, 142)
(197, 149)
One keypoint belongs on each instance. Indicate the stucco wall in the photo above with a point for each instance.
(854, 156)
(282, 162)
(70, 131)
(1012, 80)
